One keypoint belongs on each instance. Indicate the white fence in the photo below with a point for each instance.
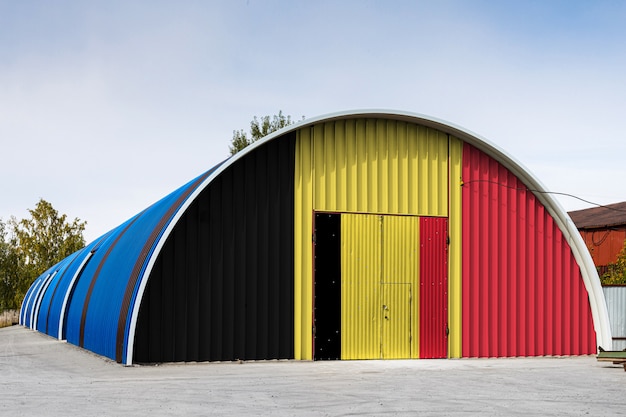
(615, 296)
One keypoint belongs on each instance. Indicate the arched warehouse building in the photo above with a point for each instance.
(356, 235)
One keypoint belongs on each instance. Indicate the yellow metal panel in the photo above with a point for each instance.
(400, 254)
(303, 230)
(396, 321)
(454, 251)
(362, 166)
(379, 166)
(360, 287)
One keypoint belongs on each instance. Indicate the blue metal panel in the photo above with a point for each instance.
(42, 293)
(64, 301)
(47, 321)
(25, 302)
(95, 307)
(81, 287)
(31, 298)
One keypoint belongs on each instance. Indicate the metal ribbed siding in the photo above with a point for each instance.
(433, 297)
(380, 286)
(401, 286)
(362, 166)
(379, 166)
(96, 310)
(615, 296)
(455, 253)
(30, 298)
(360, 286)
(222, 285)
(604, 244)
(43, 314)
(523, 294)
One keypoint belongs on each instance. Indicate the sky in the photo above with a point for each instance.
(107, 106)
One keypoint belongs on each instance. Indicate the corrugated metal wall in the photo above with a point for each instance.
(360, 286)
(615, 296)
(361, 166)
(604, 244)
(380, 286)
(433, 295)
(222, 287)
(379, 166)
(523, 294)
(455, 253)
(401, 286)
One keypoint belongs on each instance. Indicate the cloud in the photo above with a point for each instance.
(105, 108)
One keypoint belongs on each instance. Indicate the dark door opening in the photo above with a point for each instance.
(327, 287)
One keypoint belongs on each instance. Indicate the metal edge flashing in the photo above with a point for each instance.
(27, 297)
(155, 250)
(40, 296)
(70, 291)
(37, 286)
(589, 274)
(36, 294)
(68, 262)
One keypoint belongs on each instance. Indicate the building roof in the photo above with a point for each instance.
(106, 280)
(600, 217)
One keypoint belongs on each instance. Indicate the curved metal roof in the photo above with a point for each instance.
(114, 269)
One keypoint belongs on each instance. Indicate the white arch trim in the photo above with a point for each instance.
(581, 254)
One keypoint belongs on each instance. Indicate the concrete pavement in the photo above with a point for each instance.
(42, 376)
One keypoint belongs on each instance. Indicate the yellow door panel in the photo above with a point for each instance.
(379, 271)
(396, 321)
(360, 286)
(401, 254)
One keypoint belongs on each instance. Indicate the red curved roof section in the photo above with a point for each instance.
(523, 292)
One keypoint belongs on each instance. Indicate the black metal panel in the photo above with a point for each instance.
(222, 286)
(327, 281)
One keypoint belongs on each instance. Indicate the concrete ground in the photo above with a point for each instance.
(42, 376)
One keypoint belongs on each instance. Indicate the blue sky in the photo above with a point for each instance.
(105, 107)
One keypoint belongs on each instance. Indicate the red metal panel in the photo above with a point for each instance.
(433, 287)
(523, 293)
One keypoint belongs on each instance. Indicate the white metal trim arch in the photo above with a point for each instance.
(581, 254)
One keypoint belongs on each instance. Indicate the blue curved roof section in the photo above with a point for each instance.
(26, 313)
(27, 298)
(81, 296)
(55, 297)
(88, 296)
(106, 285)
(40, 318)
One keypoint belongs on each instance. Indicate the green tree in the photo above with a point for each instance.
(9, 270)
(617, 271)
(258, 128)
(32, 245)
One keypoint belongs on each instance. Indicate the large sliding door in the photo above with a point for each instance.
(380, 287)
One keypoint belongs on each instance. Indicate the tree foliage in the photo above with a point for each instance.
(259, 127)
(616, 273)
(30, 246)
(9, 270)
